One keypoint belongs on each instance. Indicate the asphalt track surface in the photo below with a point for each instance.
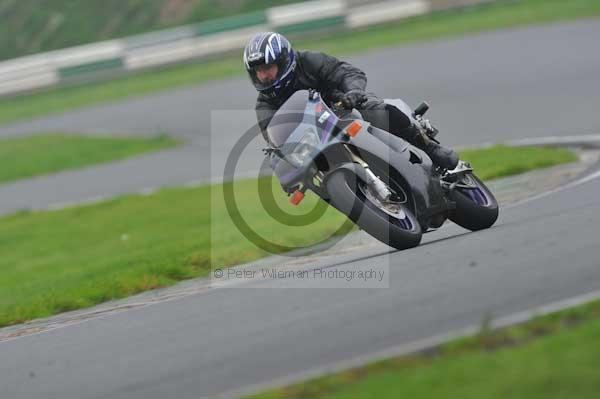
(496, 86)
(527, 82)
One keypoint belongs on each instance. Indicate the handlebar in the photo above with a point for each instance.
(421, 109)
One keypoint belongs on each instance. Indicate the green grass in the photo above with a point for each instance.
(442, 24)
(550, 357)
(500, 161)
(24, 157)
(77, 257)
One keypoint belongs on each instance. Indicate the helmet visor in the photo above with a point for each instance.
(265, 76)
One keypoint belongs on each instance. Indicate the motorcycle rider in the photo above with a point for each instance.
(277, 71)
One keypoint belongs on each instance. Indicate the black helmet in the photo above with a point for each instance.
(270, 48)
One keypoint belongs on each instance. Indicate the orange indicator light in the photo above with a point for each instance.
(353, 129)
(297, 197)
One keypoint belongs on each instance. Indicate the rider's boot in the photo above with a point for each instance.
(443, 157)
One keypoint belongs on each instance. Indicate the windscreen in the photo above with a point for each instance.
(287, 118)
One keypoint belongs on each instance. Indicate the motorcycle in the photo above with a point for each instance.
(386, 186)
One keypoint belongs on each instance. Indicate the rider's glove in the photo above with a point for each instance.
(354, 98)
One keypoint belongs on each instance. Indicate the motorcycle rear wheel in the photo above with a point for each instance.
(476, 207)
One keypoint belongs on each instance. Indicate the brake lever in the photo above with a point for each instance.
(272, 150)
(268, 150)
(339, 105)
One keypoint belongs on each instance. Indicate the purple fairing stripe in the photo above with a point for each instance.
(328, 128)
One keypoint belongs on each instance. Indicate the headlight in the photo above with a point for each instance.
(305, 147)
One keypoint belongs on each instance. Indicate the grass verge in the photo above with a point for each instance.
(77, 257)
(549, 357)
(492, 162)
(441, 24)
(34, 155)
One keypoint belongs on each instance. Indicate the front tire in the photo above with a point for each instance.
(401, 232)
(476, 207)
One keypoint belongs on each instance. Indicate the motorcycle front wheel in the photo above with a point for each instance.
(390, 222)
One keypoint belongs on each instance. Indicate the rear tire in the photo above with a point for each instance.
(400, 232)
(476, 208)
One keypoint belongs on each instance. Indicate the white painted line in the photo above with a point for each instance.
(585, 179)
(575, 183)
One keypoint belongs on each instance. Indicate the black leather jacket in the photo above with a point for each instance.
(314, 70)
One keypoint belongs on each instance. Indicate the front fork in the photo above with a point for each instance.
(374, 182)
